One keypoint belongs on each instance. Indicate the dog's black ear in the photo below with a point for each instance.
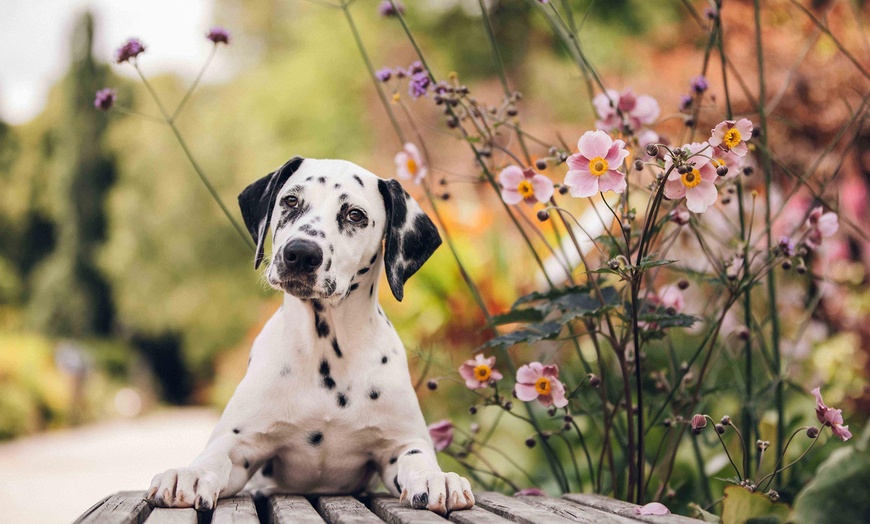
(410, 237)
(258, 200)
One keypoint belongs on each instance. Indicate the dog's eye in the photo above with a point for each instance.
(355, 215)
(291, 201)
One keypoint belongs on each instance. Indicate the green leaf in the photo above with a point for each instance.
(742, 506)
(586, 303)
(699, 513)
(530, 334)
(518, 315)
(839, 491)
(549, 295)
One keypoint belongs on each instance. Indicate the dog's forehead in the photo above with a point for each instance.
(338, 175)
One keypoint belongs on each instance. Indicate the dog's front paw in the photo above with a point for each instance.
(438, 492)
(184, 488)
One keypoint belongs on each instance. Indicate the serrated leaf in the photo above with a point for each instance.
(529, 334)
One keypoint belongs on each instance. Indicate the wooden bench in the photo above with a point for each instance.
(492, 508)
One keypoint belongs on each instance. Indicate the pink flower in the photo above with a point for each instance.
(653, 508)
(697, 184)
(530, 492)
(732, 136)
(479, 371)
(131, 49)
(442, 434)
(698, 423)
(831, 417)
(537, 381)
(594, 167)
(637, 111)
(821, 225)
(409, 164)
(524, 184)
(218, 35)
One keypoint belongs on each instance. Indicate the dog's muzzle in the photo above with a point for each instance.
(302, 257)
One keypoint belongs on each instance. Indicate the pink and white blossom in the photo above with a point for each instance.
(594, 167)
(479, 372)
(518, 185)
(820, 225)
(698, 183)
(410, 165)
(537, 381)
(653, 508)
(441, 433)
(831, 417)
(732, 136)
(637, 111)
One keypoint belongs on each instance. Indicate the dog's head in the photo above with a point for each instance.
(330, 219)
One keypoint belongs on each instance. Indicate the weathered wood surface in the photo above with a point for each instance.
(128, 507)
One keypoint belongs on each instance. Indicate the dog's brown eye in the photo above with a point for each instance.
(290, 201)
(355, 215)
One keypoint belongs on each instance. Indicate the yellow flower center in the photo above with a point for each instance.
(412, 166)
(692, 178)
(482, 372)
(732, 138)
(598, 166)
(525, 189)
(542, 386)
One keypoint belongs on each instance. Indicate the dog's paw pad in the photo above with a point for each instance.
(420, 500)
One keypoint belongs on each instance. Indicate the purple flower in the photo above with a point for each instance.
(416, 67)
(105, 99)
(686, 102)
(442, 434)
(699, 84)
(831, 417)
(386, 8)
(419, 84)
(786, 246)
(384, 74)
(219, 35)
(131, 49)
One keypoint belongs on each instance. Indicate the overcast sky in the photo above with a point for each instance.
(34, 35)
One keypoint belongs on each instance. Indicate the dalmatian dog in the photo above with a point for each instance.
(327, 399)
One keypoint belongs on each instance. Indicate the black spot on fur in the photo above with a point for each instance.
(321, 179)
(372, 290)
(331, 248)
(328, 383)
(289, 215)
(321, 325)
(328, 265)
(363, 271)
(247, 464)
(359, 180)
(309, 179)
(268, 468)
(236, 431)
(285, 370)
(396, 483)
(374, 394)
(353, 287)
(384, 359)
(336, 186)
(343, 197)
(336, 347)
(393, 460)
(309, 230)
(413, 452)
(374, 257)
(324, 367)
(342, 400)
(318, 306)
(315, 438)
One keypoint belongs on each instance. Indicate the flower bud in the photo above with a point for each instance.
(563, 190)
(786, 264)
(722, 170)
(551, 411)
(682, 170)
(773, 496)
(432, 385)
(568, 418)
(683, 284)
(530, 442)
(726, 200)
(594, 381)
(652, 150)
(638, 165)
(748, 170)
(543, 215)
(812, 432)
(472, 410)
(512, 111)
(699, 422)
(690, 122)
(726, 421)
(541, 165)
(508, 405)
(719, 428)
(762, 445)
(613, 264)
(667, 422)
(743, 333)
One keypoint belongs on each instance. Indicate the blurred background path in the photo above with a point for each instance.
(54, 477)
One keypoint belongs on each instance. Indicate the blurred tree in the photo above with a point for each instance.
(70, 295)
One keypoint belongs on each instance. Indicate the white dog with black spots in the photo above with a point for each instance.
(327, 399)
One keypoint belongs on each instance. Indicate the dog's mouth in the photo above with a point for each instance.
(305, 286)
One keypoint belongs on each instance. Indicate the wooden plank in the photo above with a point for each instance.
(625, 509)
(476, 515)
(292, 509)
(392, 511)
(236, 510)
(575, 512)
(516, 510)
(345, 510)
(124, 507)
(172, 516)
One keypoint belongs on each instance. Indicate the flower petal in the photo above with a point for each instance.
(594, 143)
(525, 392)
(612, 181)
(581, 184)
(511, 196)
(511, 176)
(653, 508)
(674, 189)
(527, 375)
(702, 196)
(543, 187)
(646, 109)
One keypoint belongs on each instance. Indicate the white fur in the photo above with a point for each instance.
(283, 399)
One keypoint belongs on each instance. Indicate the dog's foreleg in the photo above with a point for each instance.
(422, 484)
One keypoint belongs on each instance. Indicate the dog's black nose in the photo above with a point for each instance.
(302, 256)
